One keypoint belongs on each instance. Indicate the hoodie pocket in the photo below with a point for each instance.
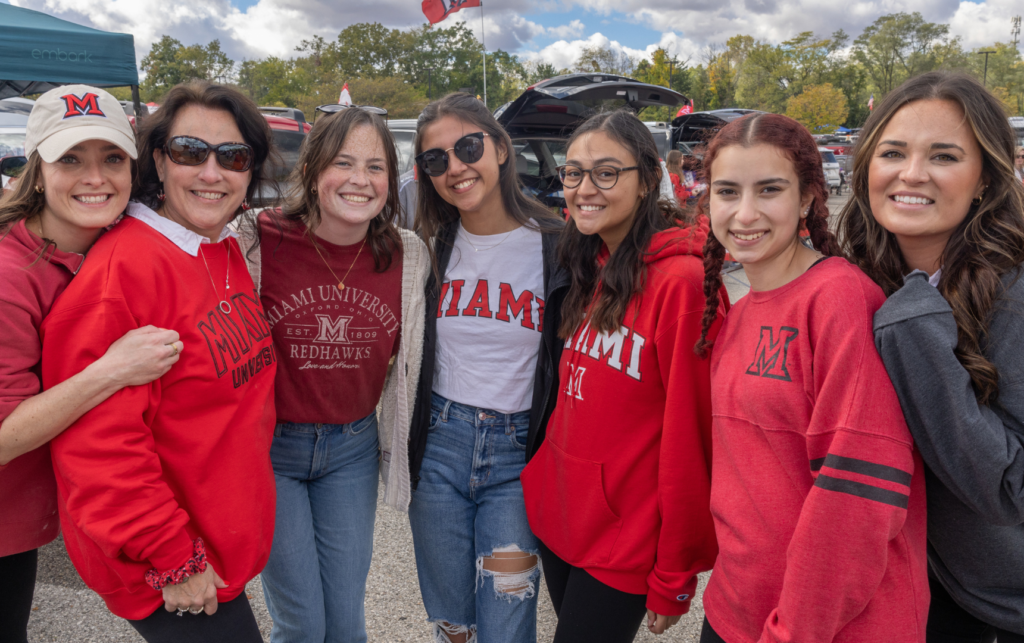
(567, 508)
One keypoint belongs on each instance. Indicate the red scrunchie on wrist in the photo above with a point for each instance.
(195, 565)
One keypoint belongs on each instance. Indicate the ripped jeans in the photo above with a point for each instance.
(467, 507)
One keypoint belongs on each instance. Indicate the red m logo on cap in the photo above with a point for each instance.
(87, 105)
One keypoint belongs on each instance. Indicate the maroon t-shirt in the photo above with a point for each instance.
(333, 345)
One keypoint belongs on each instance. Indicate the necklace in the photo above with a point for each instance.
(225, 307)
(465, 237)
(341, 282)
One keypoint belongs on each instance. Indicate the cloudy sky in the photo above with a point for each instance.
(550, 30)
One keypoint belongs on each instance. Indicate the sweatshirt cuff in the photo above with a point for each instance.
(195, 564)
(666, 606)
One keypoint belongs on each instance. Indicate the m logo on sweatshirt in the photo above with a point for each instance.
(771, 354)
(573, 388)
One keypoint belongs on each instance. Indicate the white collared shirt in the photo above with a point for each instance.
(178, 234)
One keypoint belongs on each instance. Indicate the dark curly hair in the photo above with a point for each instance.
(796, 142)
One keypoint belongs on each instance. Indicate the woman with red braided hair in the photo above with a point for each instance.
(817, 491)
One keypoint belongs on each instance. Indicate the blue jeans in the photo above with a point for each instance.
(467, 506)
(315, 580)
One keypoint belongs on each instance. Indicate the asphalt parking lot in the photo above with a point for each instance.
(66, 611)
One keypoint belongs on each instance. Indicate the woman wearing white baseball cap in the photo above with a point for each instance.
(80, 149)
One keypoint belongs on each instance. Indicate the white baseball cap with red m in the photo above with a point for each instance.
(66, 116)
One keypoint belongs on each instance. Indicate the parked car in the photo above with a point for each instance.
(1017, 123)
(691, 132)
(13, 126)
(662, 133)
(288, 136)
(541, 120)
(830, 166)
(404, 131)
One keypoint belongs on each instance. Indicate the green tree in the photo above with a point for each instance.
(819, 108)
(666, 71)
(370, 50)
(898, 46)
(1005, 73)
(169, 63)
(605, 60)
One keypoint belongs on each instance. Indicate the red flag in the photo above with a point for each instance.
(438, 10)
(687, 108)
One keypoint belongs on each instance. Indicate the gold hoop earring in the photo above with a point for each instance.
(313, 189)
(40, 189)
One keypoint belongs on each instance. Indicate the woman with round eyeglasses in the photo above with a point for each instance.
(166, 490)
(489, 376)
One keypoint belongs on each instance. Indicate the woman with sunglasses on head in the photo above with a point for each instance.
(343, 291)
(618, 492)
(488, 381)
(166, 491)
(937, 220)
(76, 183)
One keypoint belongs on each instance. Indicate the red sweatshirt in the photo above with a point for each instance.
(29, 284)
(156, 466)
(818, 492)
(620, 486)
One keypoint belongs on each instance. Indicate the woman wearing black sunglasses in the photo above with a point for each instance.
(169, 488)
(488, 381)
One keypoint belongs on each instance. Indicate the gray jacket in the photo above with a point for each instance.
(974, 454)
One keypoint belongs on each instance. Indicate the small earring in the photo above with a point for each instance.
(977, 200)
(313, 189)
(40, 189)
(245, 205)
(160, 196)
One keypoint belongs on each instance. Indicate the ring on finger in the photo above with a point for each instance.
(174, 345)
(195, 611)
(181, 611)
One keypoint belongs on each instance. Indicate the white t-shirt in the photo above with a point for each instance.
(489, 338)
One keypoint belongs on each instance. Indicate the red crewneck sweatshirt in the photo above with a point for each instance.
(153, 467)
(818, 493)
(620, 486)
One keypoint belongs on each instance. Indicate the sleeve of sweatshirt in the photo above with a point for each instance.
(686, 542)
(19, 354)
(966, 444)
(107, 460)
(861, 457)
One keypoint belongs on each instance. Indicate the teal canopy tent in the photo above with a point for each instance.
(39, 52)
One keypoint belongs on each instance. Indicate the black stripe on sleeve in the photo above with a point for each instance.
(816, 464)
(863, 467)
(862, 490)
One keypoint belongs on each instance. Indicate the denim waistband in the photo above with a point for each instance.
(450, 408)
(322, 427)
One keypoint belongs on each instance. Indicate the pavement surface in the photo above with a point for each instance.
(66, 611)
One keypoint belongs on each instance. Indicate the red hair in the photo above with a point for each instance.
(793, 139)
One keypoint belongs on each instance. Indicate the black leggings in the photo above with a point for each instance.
(17, 584)
(709, 635)
(233, 622)
(588, 610)
(950, 623)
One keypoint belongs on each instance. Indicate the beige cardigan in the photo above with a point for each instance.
(394, 411)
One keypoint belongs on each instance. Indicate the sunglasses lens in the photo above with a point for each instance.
(469, 149)
(234, 157)
(433, 162)
(185, 150)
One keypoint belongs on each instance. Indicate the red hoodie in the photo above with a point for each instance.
(621, 485)
(818, 492)
(153, 467)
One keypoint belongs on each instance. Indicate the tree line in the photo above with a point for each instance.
(823, 82)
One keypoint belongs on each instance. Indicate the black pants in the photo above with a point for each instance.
(17, 584)
(708, 635)
(233, 622)
(588, 610)
(950, 623)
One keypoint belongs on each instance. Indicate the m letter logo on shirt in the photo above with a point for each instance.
(87, 105)
(332, 330)
(771, 353)
(572, 388)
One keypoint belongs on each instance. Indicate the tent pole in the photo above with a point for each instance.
(137, 103)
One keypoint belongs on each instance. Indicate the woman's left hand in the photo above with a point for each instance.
(658, 623)
(197, 593)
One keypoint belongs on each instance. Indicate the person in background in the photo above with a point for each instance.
(76, 184)
(937, 220)
(618, 492)
(332, 261)
(675, 173)
(489, 377)
(817, 491)
(166, 491)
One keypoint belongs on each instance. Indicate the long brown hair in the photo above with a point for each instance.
(623, 274)
(793, 139)
(318, 153)
(433, 212)
(23, 202)
(986, 245)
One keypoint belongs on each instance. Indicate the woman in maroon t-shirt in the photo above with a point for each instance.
(343, 292)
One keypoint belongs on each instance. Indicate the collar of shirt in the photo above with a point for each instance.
(178, 234)
(933, 279)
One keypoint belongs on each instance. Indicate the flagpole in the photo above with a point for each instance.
(483, 41)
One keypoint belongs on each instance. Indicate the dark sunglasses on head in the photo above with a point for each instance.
(468, 149)
(13, 166)
(189, 150)
(334, 108)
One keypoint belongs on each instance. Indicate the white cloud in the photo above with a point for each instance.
(572, 30)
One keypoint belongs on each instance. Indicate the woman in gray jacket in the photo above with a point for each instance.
(937, 220)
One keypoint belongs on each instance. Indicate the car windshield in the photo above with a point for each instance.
(828, 157)
(12, 144)
(404, 140)
(287, 144)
